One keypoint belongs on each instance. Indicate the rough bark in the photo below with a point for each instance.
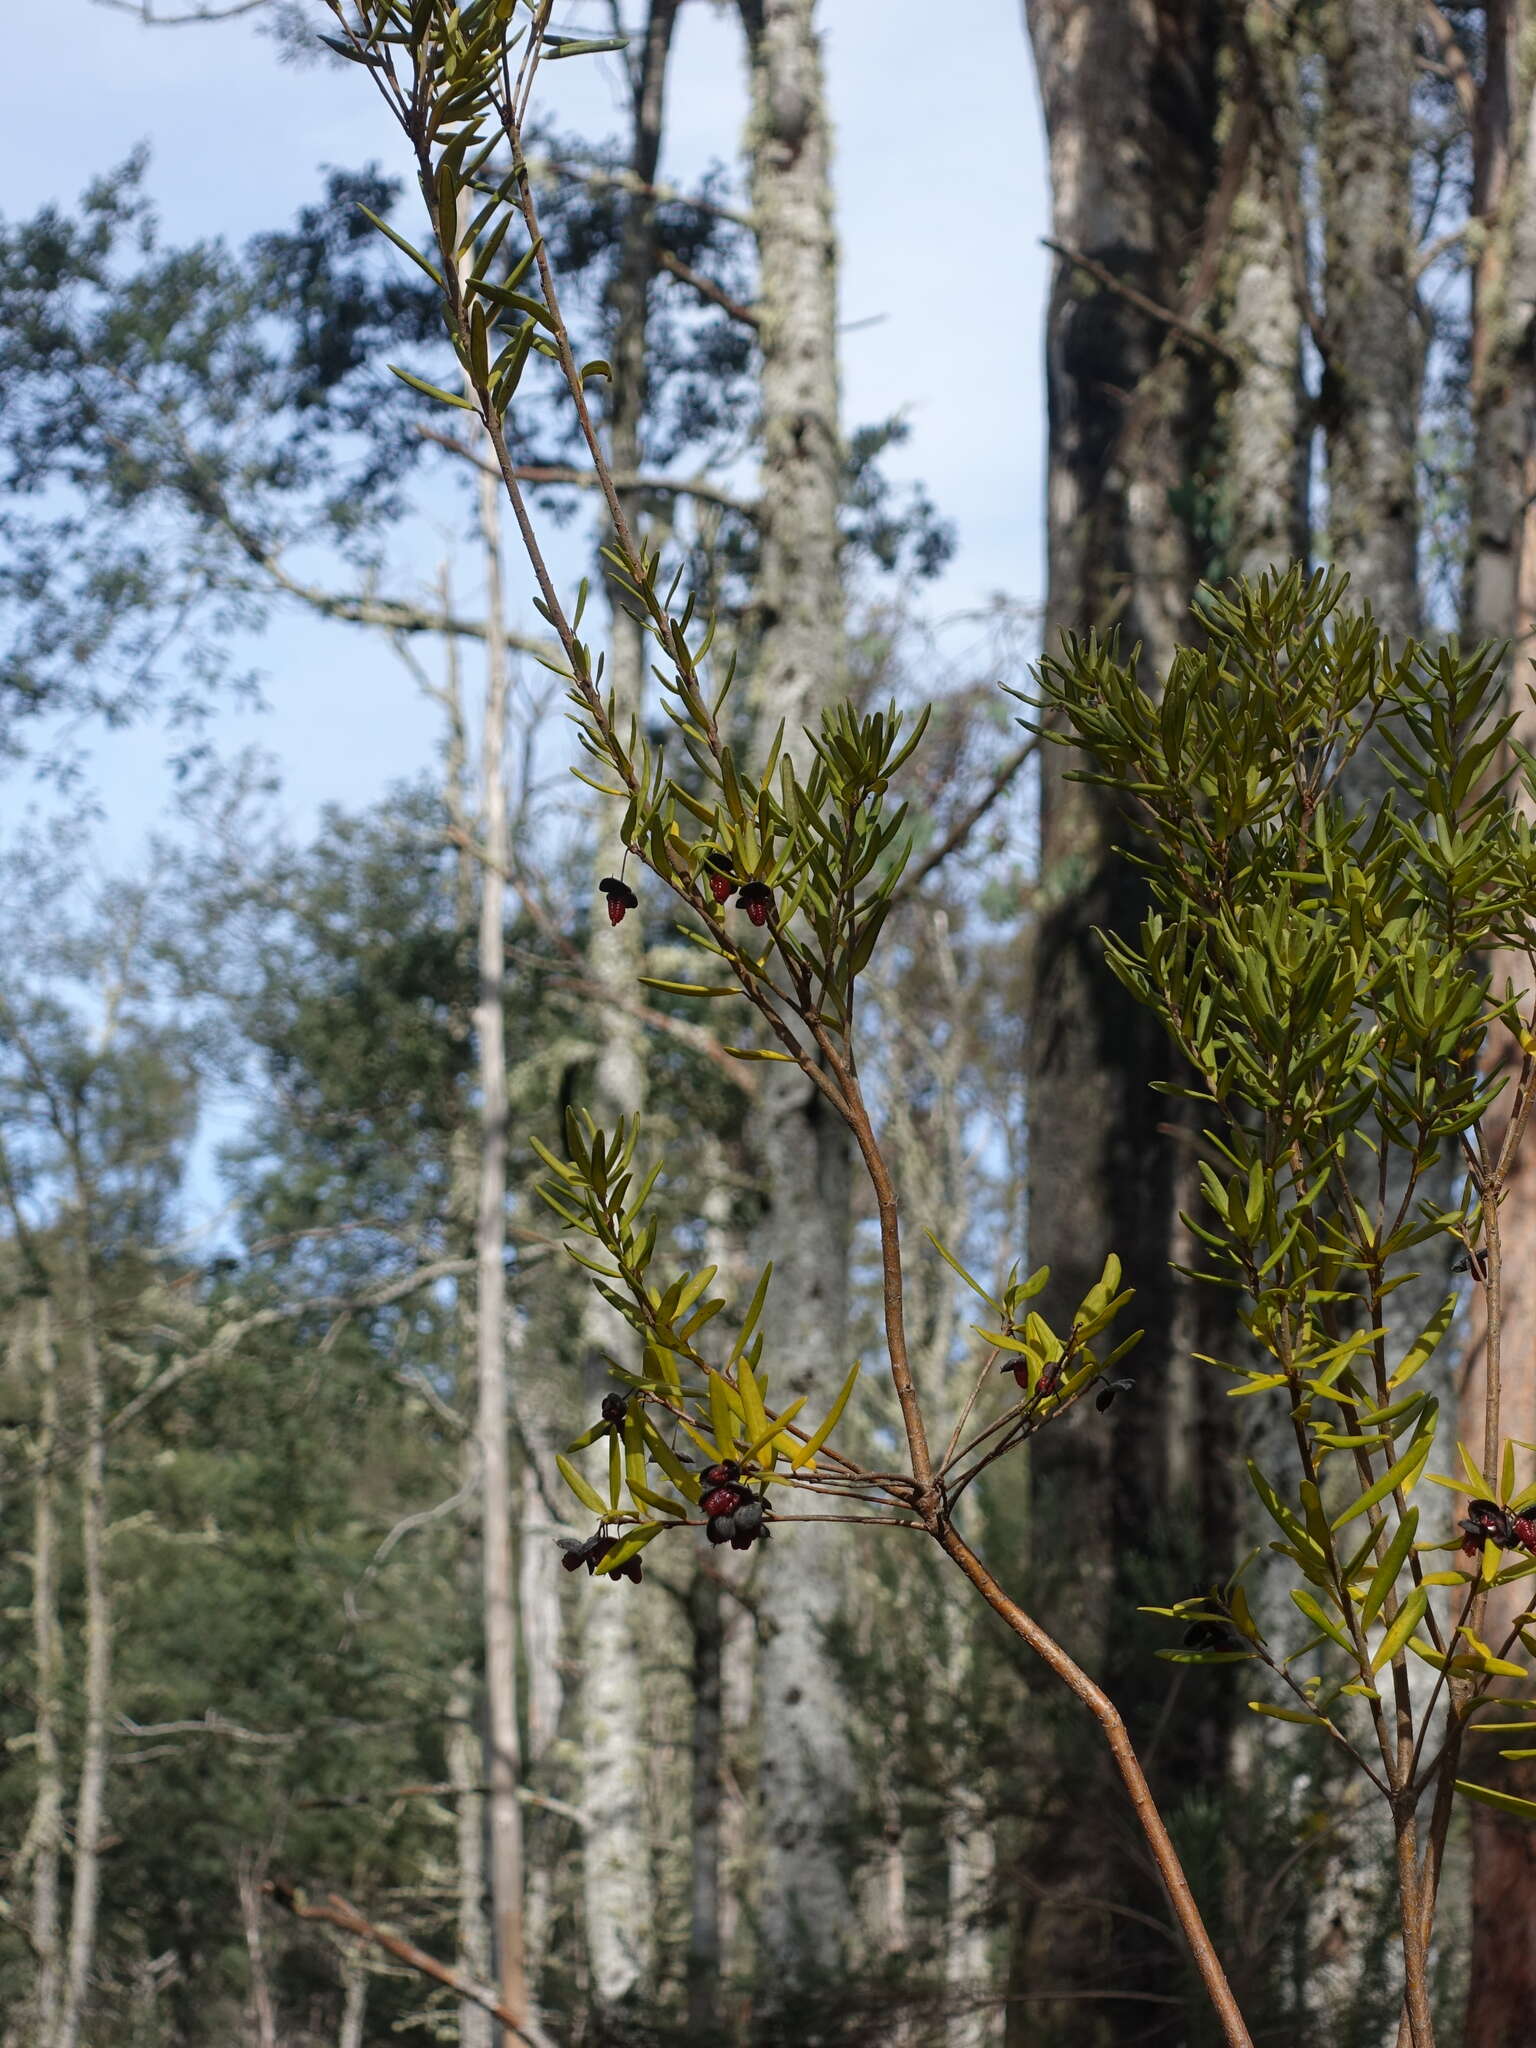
(1501, 606)
(1371, 376)
(801, 1153)
(616, 1844)
(1143, 179)
(503, 1758)
(90, 1802)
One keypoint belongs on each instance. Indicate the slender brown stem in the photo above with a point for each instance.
(1108, 1716)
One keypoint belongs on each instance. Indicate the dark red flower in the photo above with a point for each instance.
(720, 1500)
(721, 881)
(615, 1407)
(620, 898)
(725, 1474)
(591, 1554)
(756, 899)
(1523, 1528)
(1486, 1521)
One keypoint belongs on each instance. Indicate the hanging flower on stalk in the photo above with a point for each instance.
(620, 898)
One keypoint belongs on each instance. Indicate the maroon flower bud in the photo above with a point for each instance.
(756, 899)
(615, 1407)
(720, 1500)
(1523, 1529)
(721, 1529)
(575, 1553)
(725, 1474)
(620, 898)
(722, 882)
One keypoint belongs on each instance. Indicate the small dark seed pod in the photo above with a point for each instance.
(615, 1407)
(721, 1528)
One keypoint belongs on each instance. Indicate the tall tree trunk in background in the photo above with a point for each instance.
(463, 1745)
(800, 1151)
(504, 1763)
(616, 1844)
(1502, 607)
(1371, 379)
(1141, 187)
(1262, 511)
(90, 1804)
(45, 1835)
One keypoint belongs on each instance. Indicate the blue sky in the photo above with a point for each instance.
(942, 198)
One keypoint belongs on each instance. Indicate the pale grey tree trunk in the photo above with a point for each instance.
(464, 1745)
(970, 1861)
(465, 1768)
(354, 2008)
(90, 1803)
(616, 1844)
(1263, 418)
(504, 1763)
(45, 1833)
(802, 1154)
(263, 2015)
(1370, 396)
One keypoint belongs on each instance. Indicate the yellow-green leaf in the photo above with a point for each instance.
(1506, 1802)
(586, 1493)
(802, 1454)
(1289, 1714)
(1403, 1625)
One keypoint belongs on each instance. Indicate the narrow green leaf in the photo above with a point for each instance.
(1405, 1622)
(1312, 1608)
(434, 390)
(1385, 1575)
(974, 1284)
(1506, 1802)
(1403, 1473)
(588, 1495)
(802, 1454)
(402, 244)
(1297, 1714)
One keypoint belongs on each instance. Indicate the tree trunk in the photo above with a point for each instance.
(464, 1746)
(616, 1843)
(504, 1764)
(465, 1770)
(1145, 166)
(1371, 377)
(90, 1805)
(800, 1152)
(45, 1834)
(1502, 607)
(264, 2019)
(354, 2010)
